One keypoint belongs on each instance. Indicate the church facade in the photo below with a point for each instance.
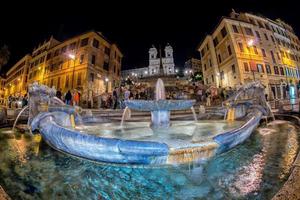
(156, 59)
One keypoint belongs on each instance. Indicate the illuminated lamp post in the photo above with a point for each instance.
(252, 64)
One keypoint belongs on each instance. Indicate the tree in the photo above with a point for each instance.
(4, 56)
(197, 77)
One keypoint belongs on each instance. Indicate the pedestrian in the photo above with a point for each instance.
(76, 98)
(58, 94)
(68, 98)
(115, 98)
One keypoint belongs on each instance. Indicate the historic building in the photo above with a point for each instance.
(246, 47)
(155, 60)
(193, 64)
(87, 62)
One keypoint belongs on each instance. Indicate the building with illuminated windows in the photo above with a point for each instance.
(87, 62)
(246, 47)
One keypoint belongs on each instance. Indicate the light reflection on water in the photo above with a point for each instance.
(254, 170)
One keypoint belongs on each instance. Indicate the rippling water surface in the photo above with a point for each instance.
(253, 170)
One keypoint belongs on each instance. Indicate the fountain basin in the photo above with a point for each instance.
(169, 105)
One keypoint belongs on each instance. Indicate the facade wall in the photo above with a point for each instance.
(88, 63)
(247, 47)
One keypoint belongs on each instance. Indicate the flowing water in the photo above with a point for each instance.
(254, 170)
(160, 90)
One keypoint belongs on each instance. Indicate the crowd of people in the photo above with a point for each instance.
(17, 101)
(70, 98)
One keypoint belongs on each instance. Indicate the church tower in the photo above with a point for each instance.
(153, 61)
(168, 61)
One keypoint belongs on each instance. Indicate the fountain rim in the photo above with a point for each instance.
(155, 105)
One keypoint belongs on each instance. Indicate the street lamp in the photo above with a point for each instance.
(250, 44)
(176, 70)
(106, 81)
(72, 57)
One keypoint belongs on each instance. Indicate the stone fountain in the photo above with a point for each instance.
(160, 107)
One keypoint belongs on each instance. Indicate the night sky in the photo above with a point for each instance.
(133, 26)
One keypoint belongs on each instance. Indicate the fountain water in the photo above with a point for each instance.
(194, 113)
(126, 114)
(160, 107)
(16, 120)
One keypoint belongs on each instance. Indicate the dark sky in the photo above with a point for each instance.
(132, 25)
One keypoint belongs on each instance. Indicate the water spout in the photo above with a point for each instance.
(194, 113)
(160, 90)
(15, 123)
(270, 111)
(126, 115)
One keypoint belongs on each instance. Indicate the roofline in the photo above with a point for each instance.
(218, 24)
(17, 64)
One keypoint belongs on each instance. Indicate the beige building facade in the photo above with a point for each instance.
(88, 63)
(246, 47)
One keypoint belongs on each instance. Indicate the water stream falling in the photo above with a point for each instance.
(126, 115)
(160, 90)
(270, 110)
(194, 113)
(15, 123)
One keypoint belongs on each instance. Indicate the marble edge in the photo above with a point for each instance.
(291, 188)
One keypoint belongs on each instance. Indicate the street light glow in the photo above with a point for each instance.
(191, 71)
(250, 43)
(72, 56)
(146, 72)
(186, 71)
(176, 70)
(106, 79)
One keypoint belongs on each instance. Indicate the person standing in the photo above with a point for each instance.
(115, 98)
(58, 94)
(76, 98)
(68, 97)
(126, 94)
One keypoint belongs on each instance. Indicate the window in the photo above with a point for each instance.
(229, 50)
(260, 24)
(212, 78)
(81, 58)
(276, 70)
(42, 59)
(263, 52)
(223, 32)
(255, 50)
(56, 53)
(204, 67)
(222, 75)
(209, 61)
(246, 67)
(235, 29)
(72, 46)
(95, 43)
(92, 77)
(252, 21)
(273, 57)
(233, 68)
(248, 31)
(260, 68)
(241, 47)
(64, 49)
(268, 69)
(267, 27)
(93, 61)
(84, 42)
(216, 42)
(278, 56)
(266, 36)
(219, 57)
(281, 71)
(79, 78)
(257, 34)
(272, 38)
(105, 66)
(51, 83)
(48, 56)
(107, 51)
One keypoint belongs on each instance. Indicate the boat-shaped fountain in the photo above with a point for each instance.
(157, 143)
